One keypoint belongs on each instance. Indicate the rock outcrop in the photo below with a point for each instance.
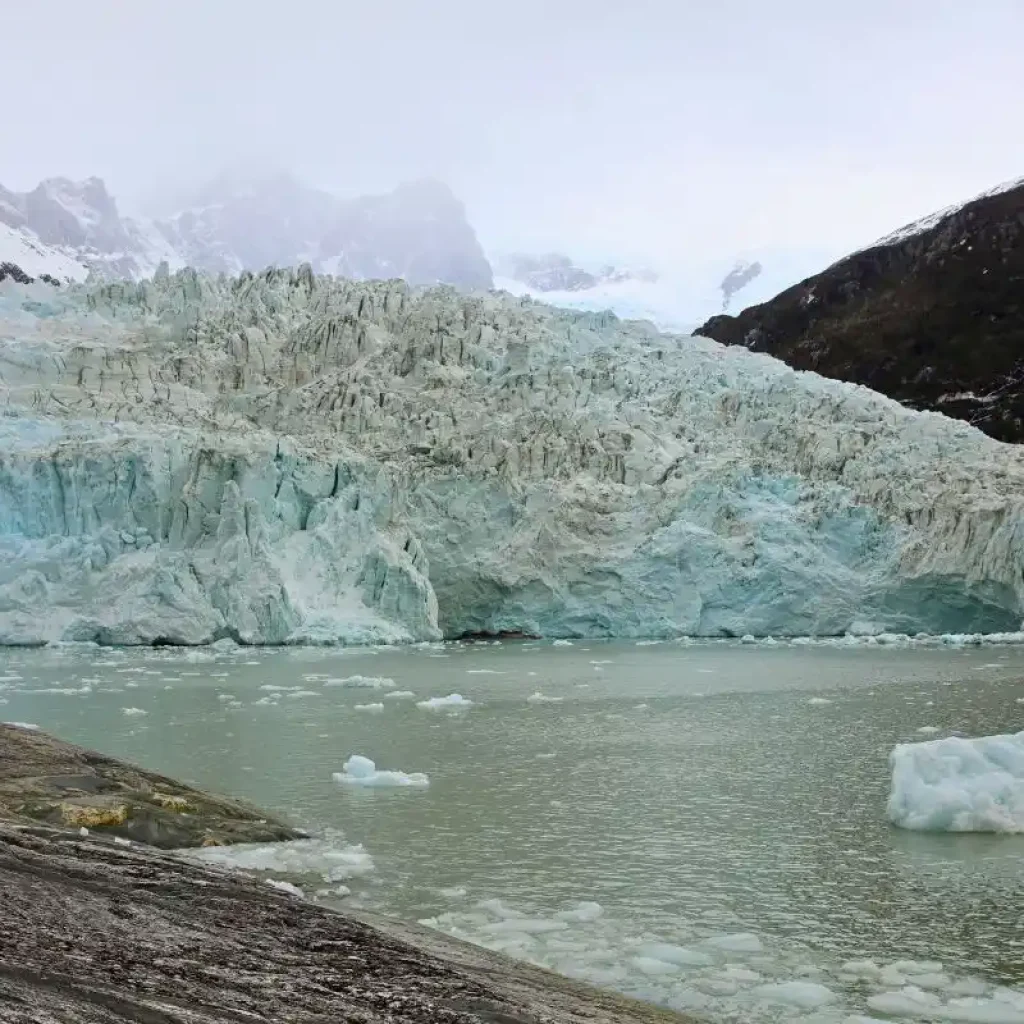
(417, 232)
(47, 781)
(932, 315)
(99, 929)
(292, 458)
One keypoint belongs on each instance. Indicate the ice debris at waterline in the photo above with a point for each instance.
(291, 458)
(361, 771)
(327, 858)
(959, 785)
(714, 975)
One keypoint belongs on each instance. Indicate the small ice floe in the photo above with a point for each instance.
(819, 701)
(453, 701)
(400, 695)
(540, 698)
(372, 708)
(361, 771)
(133, 712)
(362, 682)
(31, 726)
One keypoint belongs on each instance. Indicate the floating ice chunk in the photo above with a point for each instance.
(225, 696)
(302, 693)
(653, 966)
(453, 700)
(861, 968)
(65, 690)
(83, 831)
(23, 725)
(908, 1002)
(272, 688)
(362, 682)
(740, 942)
(805, 994)
(373, 708)
(959, 785)
(981, 1011)
(562, 643)
(326, 858)
(672, 954)
(132, 712)
(294, 890)
(525, 926)
(121, 841)
(266, 700)
(454, 892)
(586, 911)
(361, 771)
(484, 672)
(819, 701)
(541, 698)
(928, 730)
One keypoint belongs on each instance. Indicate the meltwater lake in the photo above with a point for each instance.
(702, 825)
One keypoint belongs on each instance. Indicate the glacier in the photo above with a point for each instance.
(290, 458)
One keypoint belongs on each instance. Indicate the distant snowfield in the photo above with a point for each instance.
(24, 250)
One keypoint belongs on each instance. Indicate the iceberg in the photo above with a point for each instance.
(361, 771)
(959, 785)
(454, 701)
(286, 458)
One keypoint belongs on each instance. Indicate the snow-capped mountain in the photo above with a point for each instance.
(930, 315)
(418, 232)
(556, 272)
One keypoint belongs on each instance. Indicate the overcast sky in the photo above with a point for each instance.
(664, 130)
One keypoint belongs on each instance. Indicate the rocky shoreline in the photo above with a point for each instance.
(100, 924)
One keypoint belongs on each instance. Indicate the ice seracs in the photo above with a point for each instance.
(287, 458)
(959, 785)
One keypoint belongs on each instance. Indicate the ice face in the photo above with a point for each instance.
(287, 458)
(959, 785)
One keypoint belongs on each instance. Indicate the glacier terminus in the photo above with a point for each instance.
(294, 458)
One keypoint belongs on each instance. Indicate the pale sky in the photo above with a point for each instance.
(662, 130)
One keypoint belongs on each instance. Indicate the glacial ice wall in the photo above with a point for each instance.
(287, 458)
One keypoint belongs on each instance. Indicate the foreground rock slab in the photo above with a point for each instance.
(96, 930)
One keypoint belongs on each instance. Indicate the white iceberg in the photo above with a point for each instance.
(361, 771)
(453, 700)
(959, 785)
(362, 682)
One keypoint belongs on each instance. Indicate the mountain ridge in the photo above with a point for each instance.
(418, 232)
(931, 315)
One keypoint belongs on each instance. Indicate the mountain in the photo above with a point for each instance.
(287, 458)
(555, 272)
(931, 315)
(418, 232)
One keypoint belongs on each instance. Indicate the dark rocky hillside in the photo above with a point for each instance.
(932, 315)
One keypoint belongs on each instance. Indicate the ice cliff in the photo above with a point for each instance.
(286, 457)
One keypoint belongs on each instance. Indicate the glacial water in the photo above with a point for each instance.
(702, 825)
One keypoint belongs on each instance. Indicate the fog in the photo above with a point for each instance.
(654, 130)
